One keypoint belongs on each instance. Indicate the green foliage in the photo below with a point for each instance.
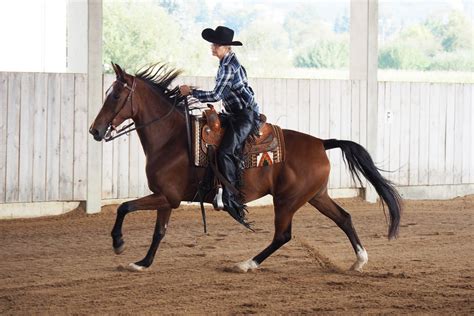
(303, 26)
(313, 42)
(462, 61)
(436, 44)
(265, 48)
(137, 34)
(342, 24)
(412, 50)
(403, 56)
(456, 33)
(324, 54)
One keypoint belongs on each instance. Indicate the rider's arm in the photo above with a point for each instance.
(222, 88)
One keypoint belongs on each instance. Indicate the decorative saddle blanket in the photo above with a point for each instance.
(267, 148)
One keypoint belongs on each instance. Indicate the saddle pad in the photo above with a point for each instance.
(254, 155)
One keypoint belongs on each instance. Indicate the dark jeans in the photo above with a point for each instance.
(238, 128)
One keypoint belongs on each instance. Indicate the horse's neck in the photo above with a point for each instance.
(167, 131)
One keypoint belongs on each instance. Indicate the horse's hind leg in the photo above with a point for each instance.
(343, 219)
(284, 212)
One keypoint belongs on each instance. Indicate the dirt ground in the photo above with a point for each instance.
(65, 264)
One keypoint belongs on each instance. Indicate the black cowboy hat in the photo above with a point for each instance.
(221, 35)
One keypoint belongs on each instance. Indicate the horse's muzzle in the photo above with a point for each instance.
(98, 136)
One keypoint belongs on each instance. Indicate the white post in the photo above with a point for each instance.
(94, 88)
(364, 65)
(77, 36)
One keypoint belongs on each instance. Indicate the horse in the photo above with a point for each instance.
(147, 100)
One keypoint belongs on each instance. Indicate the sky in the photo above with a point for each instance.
(33, 34)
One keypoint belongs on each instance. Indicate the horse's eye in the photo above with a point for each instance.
(116, 96)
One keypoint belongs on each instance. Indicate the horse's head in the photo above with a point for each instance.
(118, 105)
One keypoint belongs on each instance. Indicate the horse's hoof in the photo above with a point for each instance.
(136, 268)
(119, 249)
(357, 266)
(245, 266)
(362, 259)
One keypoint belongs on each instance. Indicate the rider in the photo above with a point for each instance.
(241, 111)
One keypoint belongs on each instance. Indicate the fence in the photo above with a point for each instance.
(424, 132)
(43, 130)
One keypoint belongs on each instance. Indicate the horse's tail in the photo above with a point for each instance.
(358, 160)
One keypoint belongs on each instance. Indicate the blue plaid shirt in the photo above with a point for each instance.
(231, 87)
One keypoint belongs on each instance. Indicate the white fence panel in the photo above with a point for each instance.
(13, 137)
(466, 132)
(81, 127)
(25, 176)
(43, 137)
(427, 132)
(66, 139)
(3, 133)
(414, 133)
(40, 136)
(53, 134)
(424, 137)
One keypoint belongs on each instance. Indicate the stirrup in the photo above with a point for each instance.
(218, 203)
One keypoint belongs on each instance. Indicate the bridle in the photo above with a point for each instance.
(128, 128)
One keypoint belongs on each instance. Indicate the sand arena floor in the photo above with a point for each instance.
(65, 264)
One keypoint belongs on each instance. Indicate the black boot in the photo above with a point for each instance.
(236, 209)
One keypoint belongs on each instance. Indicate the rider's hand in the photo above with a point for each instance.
(185, 90)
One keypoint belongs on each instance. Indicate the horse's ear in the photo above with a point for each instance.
(118, 71)
(114, 67)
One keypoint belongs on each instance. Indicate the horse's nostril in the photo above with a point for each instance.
(93, 131)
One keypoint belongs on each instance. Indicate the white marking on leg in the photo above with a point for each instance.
(362, 259)
(244, 266)
(136, 268)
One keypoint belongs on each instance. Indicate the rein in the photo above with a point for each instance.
(126, 129)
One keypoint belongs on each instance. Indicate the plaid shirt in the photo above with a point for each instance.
(231, 87)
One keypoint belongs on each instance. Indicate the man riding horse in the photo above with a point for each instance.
(172, 176)
(241, 112)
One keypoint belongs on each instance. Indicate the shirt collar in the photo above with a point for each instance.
(227, 58)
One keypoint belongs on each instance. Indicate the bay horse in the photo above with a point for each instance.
(172, 177)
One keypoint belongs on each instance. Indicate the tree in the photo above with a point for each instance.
(412, 49)
(171, 6)
(403, 56)
(342, 24)
(313, 42)
(137, 34)
(435, 44)
(459, 61)
(265, 50)
(330, 54)
(454, 33)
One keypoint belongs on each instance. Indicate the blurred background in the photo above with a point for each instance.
(422, 40)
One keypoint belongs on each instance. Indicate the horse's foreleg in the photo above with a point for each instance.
(343, 219)
(149, 202)
(283, 217)
(162, 219)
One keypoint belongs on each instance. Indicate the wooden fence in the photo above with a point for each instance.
(424, 132)
(43, 130)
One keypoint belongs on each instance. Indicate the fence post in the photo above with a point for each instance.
(363, 66)
(94, 101)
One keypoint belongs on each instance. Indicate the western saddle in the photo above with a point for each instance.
(260, 150)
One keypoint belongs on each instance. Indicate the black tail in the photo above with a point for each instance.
(358, 160)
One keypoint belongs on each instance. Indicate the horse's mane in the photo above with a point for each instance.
(159, 76)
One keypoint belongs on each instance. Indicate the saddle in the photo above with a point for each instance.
(262, 149)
